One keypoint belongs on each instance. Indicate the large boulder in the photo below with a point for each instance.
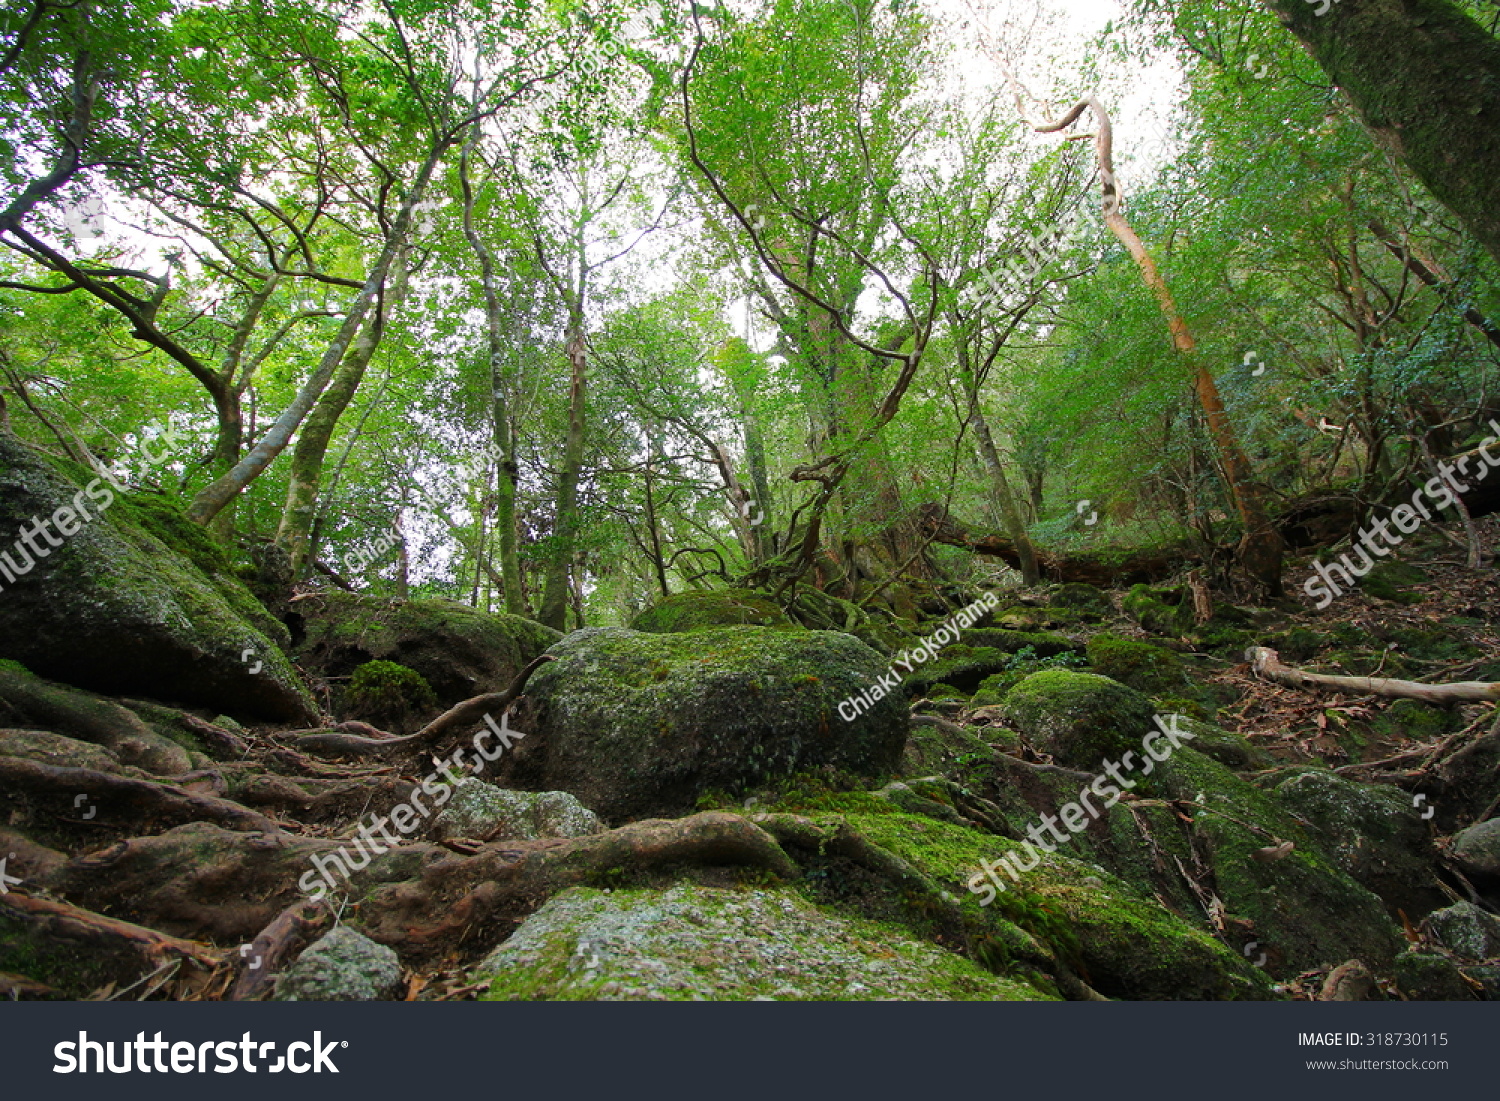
(694, 611)
(639, 724)
(132, 599)
(704, 943)
(1289, 888)
(1372, 832)
(1476, 850)
(1081, 719)
(459, 650)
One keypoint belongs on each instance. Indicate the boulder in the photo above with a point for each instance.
(1476, 850)
(1126, 944)
(460, 651)
(136, 600)
(1465, 930)
(341, 966)
(693, 611)
(1431, 977)
(693, 943)
(638, 724)
(1081, 719)
(1373, 833)
(481, 810)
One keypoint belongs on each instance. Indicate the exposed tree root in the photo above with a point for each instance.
(1267, 663)
(142, 796)
(455, 897)
(341, 741)
(69, 924)
(274, 945)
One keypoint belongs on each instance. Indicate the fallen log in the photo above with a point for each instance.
(1266, 663)
(1104, 568)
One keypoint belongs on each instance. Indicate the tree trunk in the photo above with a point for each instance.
(508, 470)
(554, 610)
(212, 498)
(1426, 79)
(1261, 549)
(306, 476)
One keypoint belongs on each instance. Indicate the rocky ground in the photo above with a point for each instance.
(214, 786)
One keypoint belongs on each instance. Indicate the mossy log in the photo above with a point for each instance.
(1103, 569)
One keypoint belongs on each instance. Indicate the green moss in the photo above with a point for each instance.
(1036, 643)
(388, 694)
(692, 943)
(696, 611)
(1127, 946)
(1140, 665)
(1387, 579)
(1298, 644)
(74, 973)
(1075, 594)
(1160, 611)
(1412, 720)
(1081, 719)
(1305, 909)
(14, 667)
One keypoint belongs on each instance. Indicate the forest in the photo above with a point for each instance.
(774, 499)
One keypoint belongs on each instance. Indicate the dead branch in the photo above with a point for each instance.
(1266, 663)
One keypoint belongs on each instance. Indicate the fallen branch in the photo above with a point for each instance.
(1266, 663)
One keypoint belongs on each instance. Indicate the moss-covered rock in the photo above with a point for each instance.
(703, 943)
(700, 609)
(1140, 665)
(1086, 598)
(1465, 930)
(1126, 946)
(1040, 643)
(1430, 977)
(482, 810)
(460, 651)
(637, 724)
(984, 653)
(1081, 719)
(136, 600)
(1298, 644)
(1476, 850)
(1230, 750)
(1373, 833)
(341, 966)
(1160, 611)
(1305, 909)
(1412, 720)
(389, 695)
